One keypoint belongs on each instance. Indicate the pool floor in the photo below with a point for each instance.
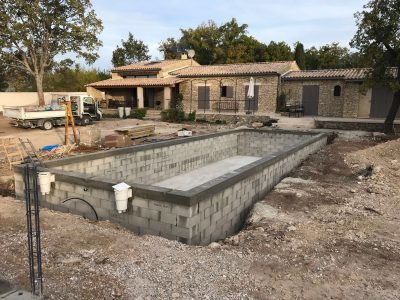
(189, 180)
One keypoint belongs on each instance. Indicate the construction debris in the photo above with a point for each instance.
(117, 141)
(10, 151)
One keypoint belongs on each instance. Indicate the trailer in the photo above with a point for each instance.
(84, 109)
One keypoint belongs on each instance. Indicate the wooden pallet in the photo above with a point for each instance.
(138, 131)
(10, 151)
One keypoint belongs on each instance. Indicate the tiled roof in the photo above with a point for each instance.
(131, 82)
(278, 67)
(148, 65)
(347, 74)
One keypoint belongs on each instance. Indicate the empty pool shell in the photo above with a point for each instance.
(200, 212)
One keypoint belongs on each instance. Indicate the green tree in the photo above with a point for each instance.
(228, 43)
(34, 32)
(333, 56)
(205, 39)
(378, 39)
(279, 51)
(170, 48)
(132, 51)
(68, 78)
(299, 55)
(312, 59)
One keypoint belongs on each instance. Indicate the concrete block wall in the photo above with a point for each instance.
(224, 213)
(263, 142)
(159, 163)
(204, 214)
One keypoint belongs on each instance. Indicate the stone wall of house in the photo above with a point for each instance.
(345, 105)
(268, 88)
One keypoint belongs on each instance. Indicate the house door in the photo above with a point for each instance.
(381, 100)
(251, 104)
(310, 100)
(203, 97)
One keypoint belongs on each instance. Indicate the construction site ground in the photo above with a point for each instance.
(330, 230)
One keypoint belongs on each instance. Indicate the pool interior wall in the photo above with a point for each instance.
(179, 189)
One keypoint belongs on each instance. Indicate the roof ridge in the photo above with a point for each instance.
(322, 70)
(247, 63)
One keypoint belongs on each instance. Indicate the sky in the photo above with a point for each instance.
(312, 22)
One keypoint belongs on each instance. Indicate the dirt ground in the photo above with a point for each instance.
(331, 231)
(42, 138)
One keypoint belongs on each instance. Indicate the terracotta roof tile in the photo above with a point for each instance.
(278, 67)
(347, 74)
(147, 65)
(131, 82)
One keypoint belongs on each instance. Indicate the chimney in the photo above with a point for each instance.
(184, 56)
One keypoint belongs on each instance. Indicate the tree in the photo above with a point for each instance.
(228, 43)
(132, 51)
(170, 48)
(279, 51)
(378, 39)
(205, 39)
(299, 55)
(68, 78)
(333, 56)
(34, 32)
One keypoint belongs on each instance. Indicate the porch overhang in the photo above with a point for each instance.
(136, 82)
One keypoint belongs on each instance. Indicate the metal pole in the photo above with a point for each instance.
(205, 96)
(220, 92)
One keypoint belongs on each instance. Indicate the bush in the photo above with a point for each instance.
(270, 122)
(172, 115)
(175, 113)
(138, 113)
(220, 121)
(201, 120)
(192, 116)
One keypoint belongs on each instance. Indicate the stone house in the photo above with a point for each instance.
(223, 88)
(336, 93)
(140, 85)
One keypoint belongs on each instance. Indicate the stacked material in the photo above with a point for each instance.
(138, 131)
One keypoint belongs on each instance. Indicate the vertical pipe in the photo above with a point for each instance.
(39, 282)
(29, 226)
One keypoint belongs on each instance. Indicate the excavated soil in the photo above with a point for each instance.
(328, 231)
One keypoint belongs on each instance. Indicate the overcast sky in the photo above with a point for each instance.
(313, 22)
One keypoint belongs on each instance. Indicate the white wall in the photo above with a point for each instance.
(28, 98)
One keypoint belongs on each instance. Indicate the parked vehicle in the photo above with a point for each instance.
(84, 109)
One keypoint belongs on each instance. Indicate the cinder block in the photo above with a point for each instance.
(140, 202)
(216, 216)
(204, 204)
(161, 206)
(188, 222)
(168, 218)
(138, 221)
(160, 226)
(186, 211)
(150, 214)
(181, 232)
(107, 204)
